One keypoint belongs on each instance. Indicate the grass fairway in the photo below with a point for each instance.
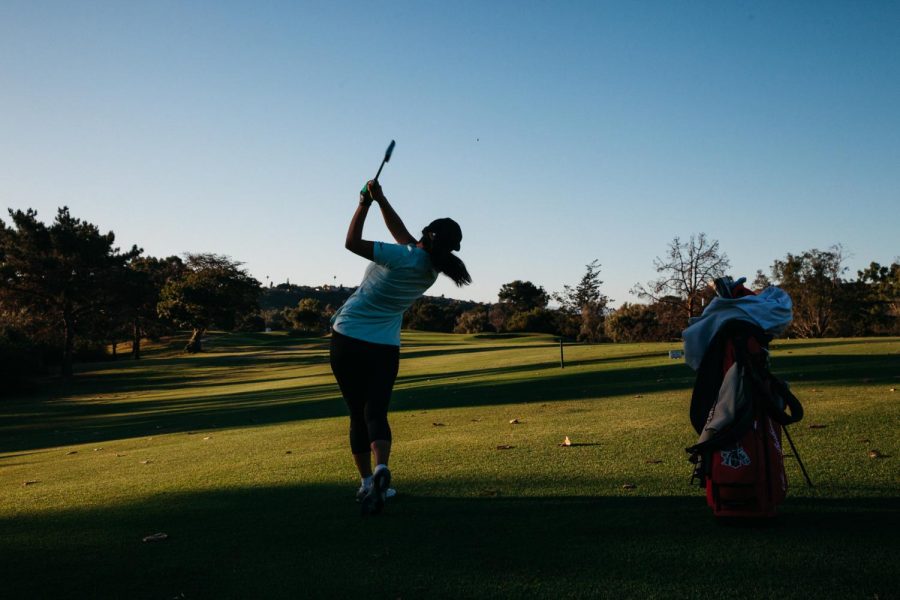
(240, 456)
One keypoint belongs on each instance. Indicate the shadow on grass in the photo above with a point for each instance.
(226, 359)
(63, 422)
(552, 384)
(149, 378)
(282, 352)
(787, 346)
(835, 369)
(411, 354)
(35, 424)
(308, 541)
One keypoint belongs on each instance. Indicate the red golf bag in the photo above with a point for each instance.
(738, 408)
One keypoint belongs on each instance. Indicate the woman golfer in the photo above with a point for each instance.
(365, 340)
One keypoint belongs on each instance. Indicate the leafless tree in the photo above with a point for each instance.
(686, 272)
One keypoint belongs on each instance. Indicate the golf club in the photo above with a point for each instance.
(387, 157)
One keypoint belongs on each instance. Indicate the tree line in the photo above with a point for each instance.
(68, 293)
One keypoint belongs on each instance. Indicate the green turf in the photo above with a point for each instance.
(240, 456)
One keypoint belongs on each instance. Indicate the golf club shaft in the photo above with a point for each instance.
(379, 169)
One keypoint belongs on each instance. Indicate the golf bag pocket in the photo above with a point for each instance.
(746, 478)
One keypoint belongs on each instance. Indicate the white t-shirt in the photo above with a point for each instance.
(395, 279)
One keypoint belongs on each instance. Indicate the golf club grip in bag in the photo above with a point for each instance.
(739, 457)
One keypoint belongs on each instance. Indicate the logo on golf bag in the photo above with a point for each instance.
(735, 458)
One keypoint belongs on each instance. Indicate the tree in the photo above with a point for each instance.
(670, 319)
(213, 291)
(430, 313)
(107, 326)
(761, 281)
(307, 317)
(475, 320)
(20, 357)
(687, 270)
(585, 304)
(427, 315)
(65, 273)
(498, 315)
(878, 296)
(253, 322)
(633, 323)
(522, 307)
(536, 320)
(523, 295)
(274, 319)
(145, 278)
(813, 280)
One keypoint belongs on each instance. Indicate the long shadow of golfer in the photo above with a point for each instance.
(296, 541)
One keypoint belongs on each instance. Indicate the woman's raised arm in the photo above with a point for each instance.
(391, 218)
(354, 242)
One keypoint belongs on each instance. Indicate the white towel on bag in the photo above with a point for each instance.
(771, 310)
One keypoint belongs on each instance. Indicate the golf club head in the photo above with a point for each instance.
(387, 157)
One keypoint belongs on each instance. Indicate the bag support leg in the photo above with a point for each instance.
(797, 454)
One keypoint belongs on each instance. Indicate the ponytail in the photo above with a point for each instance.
(450, 265)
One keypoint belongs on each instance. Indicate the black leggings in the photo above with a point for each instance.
(365, 373)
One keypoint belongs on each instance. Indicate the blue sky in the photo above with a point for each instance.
(554, 132)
